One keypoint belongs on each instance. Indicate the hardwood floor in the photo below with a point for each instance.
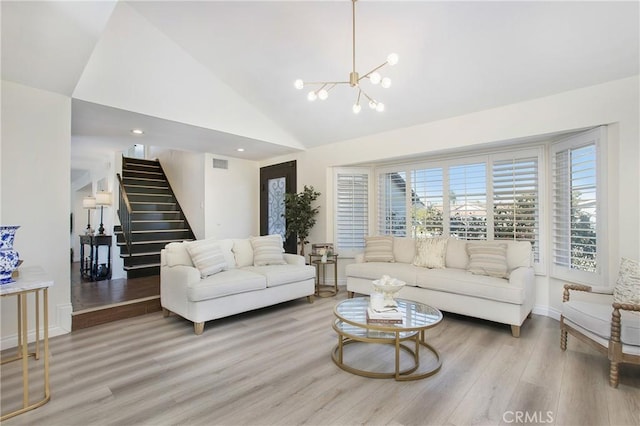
(273, 367)
(99, 302)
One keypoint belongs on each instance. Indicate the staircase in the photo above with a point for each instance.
(150, 217)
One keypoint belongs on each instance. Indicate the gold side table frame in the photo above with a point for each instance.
(352, 328)
(31, 280)
(323, 289)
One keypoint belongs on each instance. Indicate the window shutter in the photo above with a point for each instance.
(574, 208)
(352, 211)
(516, 202)
(392, 204)
(468, 201)
(427, 202)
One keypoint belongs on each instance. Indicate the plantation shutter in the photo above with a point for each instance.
(516, 201)
(468, 201)
(574, 208)
(427, 202)
(352, 210)
(392, 204)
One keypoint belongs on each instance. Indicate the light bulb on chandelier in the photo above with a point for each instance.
(354, 78)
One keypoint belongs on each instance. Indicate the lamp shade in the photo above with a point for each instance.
(89, 202)
(103, 198)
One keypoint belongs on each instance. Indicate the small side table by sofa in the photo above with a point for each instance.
(30, 280)
(322, 288)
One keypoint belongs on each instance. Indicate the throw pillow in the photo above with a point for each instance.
(430, 252)
(267, 250)
(207, 257)
(488, 259)
(242, 252)
(378, 249)
(627, 289)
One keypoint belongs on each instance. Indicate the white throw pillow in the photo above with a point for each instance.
(627, 289)
(267, 250)
(430, 252)
(378, 249)
(488, 258)
(207, 257)
(242, 252)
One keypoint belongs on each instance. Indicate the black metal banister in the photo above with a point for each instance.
(124, 212)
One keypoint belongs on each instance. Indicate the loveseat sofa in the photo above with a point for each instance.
(491, 280)
(209, 279)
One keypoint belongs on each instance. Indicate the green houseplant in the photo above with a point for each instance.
(300, 215)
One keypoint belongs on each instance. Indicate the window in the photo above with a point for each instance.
(576, 222)
(516, 207)
(468, 201)
(352, 210)
(494, 196)
(392, 205)
(427, 202)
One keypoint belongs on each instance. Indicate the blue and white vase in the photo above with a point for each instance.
(9, 258)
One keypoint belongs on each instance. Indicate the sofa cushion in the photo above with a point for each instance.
(267, 250)
(225, 283)
(458, 281)
(242, 252)
(518, 254)
(404, 249)
(596, 318)
(430, 252)
(283, 274)
(488, 258)
(375, 270)
(378, 249)
(177, 254)
(457, 256)
(207, 257)
(627, 289)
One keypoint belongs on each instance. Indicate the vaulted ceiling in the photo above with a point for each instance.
(214, 76)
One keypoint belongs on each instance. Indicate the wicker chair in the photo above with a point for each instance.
(611, 328)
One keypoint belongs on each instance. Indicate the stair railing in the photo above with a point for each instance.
(124, 213)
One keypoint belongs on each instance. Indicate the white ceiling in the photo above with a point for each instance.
(455, 58)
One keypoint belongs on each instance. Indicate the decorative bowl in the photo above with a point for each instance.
(389, 288)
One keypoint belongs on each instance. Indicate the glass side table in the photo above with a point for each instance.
(322, 288)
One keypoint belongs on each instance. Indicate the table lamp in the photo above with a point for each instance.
(89, 203)
(103, 198)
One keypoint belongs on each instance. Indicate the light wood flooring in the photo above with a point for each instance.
(273, 367)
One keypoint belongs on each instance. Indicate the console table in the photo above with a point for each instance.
(90, 266)
(30, 280)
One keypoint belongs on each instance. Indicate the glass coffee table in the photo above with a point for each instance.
(352, 328)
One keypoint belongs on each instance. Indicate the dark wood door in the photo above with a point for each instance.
(275, 181)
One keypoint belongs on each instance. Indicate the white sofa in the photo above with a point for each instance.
(239, 287)
(453, 288)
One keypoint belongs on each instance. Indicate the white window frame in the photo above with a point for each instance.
(597, 136)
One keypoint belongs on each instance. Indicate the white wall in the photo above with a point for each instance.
(232, 198)
(36, 134)
(614, 103)
(186, 177)
(218, 203)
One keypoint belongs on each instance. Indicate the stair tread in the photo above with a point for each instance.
(146, 265)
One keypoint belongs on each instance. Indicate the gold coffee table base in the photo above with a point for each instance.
(352, 325)
(337, 355)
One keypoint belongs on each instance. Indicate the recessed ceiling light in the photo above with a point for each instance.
(240, 150)
(137, 132)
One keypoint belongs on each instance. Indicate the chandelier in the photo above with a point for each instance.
(323, 87)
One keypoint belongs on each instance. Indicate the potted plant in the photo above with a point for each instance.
(300, 215)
